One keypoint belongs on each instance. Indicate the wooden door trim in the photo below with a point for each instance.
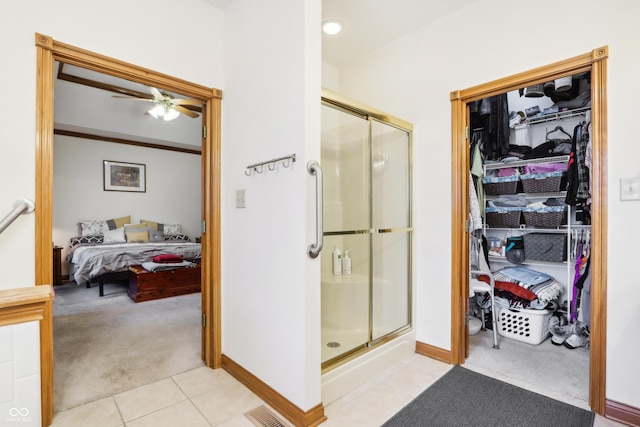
(49, 51)
(596, 62)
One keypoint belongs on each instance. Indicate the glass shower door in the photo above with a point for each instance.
(345, 297)
(391, 229)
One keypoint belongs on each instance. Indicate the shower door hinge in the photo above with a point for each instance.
(204, 132)
(204, 320)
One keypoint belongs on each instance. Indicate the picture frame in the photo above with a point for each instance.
(124, 176)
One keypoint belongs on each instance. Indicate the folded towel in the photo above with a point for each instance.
(156, 266)
(167, 258)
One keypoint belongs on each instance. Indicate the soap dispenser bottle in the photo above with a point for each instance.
(346, 263)
(337, 261)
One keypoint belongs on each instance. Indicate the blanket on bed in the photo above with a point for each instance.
(95, 260)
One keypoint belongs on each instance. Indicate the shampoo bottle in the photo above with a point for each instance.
(337, 261)
(346, 263)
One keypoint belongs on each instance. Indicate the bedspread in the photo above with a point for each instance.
(95, 260)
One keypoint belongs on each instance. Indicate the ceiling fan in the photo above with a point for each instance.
(166, 105)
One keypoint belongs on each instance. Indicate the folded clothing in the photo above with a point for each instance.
(167, 258)
(156, 266)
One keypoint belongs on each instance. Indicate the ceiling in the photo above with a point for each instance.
(368, 25)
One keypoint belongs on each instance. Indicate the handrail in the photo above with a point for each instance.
(19, 207)
(314, 249)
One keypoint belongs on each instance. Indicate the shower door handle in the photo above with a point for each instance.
(314, 249)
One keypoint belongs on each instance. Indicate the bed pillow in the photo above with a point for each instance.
(141, 236)
(156, 226)
(115, 236)
(93, 228)
(177, 237)
(118, 222)
(171, 229)
(85, 239)
(155, 236)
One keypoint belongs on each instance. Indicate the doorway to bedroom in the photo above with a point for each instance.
(53, 168)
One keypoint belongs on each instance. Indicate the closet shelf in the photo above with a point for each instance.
(542, 263)
(556, 194)
(518, 163)
(557, 116)
(561, 230)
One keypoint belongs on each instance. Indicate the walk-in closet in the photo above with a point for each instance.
(530, 234)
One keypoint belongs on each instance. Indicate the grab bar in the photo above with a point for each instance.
(19, 207)
(314, 249)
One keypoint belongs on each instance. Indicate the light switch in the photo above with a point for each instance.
(240, 199)
(630, 188)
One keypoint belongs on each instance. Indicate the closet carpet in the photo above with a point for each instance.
(555, 370)
(105, 345)
(466, 398)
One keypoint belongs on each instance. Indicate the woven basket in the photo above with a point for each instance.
(545, 247)
(503, 219)
(500, 185)
(543, 219)
(496, 188)
(541, 183)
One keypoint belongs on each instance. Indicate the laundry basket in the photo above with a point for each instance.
(529, 326)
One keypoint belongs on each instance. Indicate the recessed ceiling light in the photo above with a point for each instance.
(331, 27)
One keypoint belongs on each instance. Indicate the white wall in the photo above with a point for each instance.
(413, 77)
(172, 196)
(271, 294)
(120, 29)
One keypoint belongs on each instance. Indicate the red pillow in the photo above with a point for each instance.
(167, 258)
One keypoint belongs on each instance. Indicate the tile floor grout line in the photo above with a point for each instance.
(192, 402)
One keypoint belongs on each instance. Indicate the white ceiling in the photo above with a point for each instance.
(369, 24)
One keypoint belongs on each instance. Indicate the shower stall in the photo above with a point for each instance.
(366, 162)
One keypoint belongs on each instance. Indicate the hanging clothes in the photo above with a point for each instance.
(491, 115)
(578, 176)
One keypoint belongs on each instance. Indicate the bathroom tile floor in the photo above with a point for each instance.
(206, 398)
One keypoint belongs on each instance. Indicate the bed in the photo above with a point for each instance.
(106, 256)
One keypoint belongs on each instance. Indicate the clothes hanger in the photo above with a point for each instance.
(558, 128)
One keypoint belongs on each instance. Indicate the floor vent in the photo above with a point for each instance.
(262, 417)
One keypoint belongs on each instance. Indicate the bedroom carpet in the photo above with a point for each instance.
(466, 398)
(105, 345)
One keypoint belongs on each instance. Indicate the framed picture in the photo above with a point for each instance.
(121, 176)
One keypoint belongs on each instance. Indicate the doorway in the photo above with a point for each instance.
(49, 51)
(594, 62)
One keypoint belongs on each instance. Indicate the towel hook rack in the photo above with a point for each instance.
(271, 164)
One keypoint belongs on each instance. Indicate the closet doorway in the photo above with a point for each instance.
(49, 51)
(595, 63)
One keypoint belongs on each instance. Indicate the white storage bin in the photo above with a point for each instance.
(530, 326)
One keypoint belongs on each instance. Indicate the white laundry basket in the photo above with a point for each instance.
(530, 326)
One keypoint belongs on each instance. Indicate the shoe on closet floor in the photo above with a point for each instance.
(559, 331)
(579, 339)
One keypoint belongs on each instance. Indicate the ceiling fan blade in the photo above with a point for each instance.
(155, 92)
(134, 98)
(188, 102)
(185, 111)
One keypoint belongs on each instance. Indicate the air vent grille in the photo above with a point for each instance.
(263, 417)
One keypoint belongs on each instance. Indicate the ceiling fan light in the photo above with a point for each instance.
(331, 27)
(171, 114)
(157, 111)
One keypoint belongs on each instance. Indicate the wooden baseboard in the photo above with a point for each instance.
(622, 413)
(434, 352)
(315, 416)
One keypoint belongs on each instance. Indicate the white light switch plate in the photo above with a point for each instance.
(630, 188)
(240, 199)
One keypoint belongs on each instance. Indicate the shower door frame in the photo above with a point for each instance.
(369, 114)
